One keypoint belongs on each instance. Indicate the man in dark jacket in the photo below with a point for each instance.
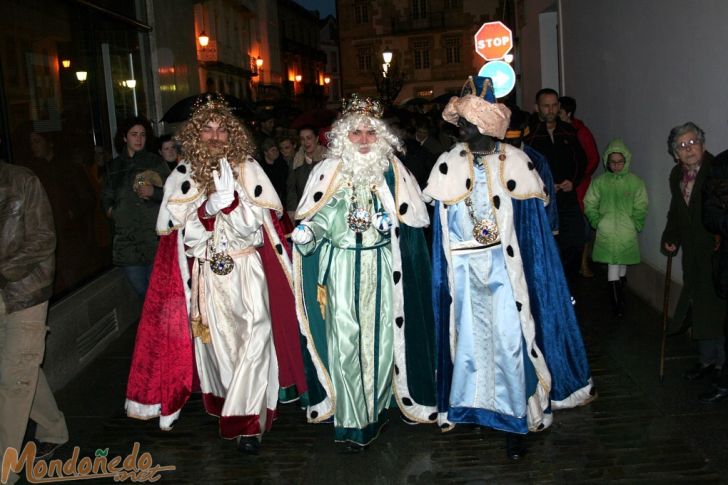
(558, 142)
(27, 247)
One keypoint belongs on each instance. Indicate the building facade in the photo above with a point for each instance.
(332, 77)
(303, 63)
(431, 42)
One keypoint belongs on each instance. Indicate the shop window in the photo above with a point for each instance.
(59, 121)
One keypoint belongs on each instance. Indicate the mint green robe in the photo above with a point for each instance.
(354, 272)
(373, 347)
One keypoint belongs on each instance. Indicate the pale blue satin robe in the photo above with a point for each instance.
(489, 375)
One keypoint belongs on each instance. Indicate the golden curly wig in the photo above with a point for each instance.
(202, 157)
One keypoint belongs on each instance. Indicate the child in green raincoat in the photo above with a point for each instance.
(616, 206)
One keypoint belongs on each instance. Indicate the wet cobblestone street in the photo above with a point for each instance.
(637, 431)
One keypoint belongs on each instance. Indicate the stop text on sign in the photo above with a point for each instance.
(497, 42)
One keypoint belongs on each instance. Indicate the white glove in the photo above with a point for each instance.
(302, 234)
(224, 189)
(382, 222)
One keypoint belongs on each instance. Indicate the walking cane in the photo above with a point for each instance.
(665, 310)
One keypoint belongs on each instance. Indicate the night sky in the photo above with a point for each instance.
(325, 7)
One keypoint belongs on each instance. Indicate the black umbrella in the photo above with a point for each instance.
(417, 102)
(182, 109)
(443, 99)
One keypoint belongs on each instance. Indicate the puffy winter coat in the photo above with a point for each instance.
(135, 219)
(616, 206)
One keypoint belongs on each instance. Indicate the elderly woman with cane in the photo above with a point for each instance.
(698, 304)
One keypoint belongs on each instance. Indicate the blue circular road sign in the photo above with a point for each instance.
(503, 76)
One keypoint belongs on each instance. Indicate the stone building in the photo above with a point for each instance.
(431, 42)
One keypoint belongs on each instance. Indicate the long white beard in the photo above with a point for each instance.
(365, 169)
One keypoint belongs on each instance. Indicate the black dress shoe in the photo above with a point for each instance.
(699, 371)
(514, 446)
(249, 445)
(717, 394)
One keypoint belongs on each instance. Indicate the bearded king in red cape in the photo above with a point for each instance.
(221, 289)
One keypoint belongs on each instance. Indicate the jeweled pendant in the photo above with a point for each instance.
(221, 264)
(359, 219)
(486, 232)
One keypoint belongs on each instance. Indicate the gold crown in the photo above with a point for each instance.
(210, 102)
(362, 105)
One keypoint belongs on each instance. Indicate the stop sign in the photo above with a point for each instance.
(493, 41)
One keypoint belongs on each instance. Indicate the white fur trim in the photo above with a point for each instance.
(452, 177)
(580, 397)
(325, 180)
(150, 411)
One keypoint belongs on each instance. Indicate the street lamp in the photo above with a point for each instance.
(389, 79)
(81, 75)
(298, 78)
(203, 39)
(387, 56)
(259, 65)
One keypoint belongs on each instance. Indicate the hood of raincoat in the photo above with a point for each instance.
(617, 146)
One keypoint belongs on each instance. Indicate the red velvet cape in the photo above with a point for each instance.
(163, 365)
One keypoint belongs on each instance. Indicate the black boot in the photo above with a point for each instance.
(250, 445)
(615, 297)
(514, 446)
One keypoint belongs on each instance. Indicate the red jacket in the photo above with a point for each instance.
(589, 145)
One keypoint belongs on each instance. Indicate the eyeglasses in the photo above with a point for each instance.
(684, 145)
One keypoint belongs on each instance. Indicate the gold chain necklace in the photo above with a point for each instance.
(485, 231)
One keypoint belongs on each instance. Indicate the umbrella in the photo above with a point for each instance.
(182, 109)
(417, 102)
(443, 99)
(316, 118)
